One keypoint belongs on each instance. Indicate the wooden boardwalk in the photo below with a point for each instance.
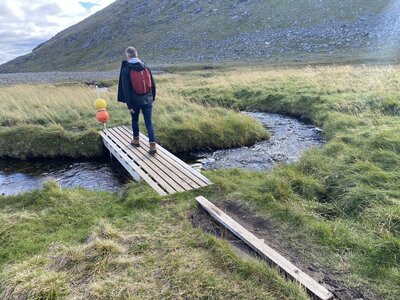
(313, 287)
(164, 172)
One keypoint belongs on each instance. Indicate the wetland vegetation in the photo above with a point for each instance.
(337, 209)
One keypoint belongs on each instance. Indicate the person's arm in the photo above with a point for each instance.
(126, 87)
(153, 86)
(120, 94)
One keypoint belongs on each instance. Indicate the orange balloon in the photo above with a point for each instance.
(102, 116)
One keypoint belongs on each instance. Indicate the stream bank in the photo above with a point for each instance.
(290, 138)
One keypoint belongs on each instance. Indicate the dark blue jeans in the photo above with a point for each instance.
(147, 112)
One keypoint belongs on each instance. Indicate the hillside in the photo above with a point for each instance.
(188, 31)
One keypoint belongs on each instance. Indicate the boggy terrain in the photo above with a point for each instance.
(338, 207)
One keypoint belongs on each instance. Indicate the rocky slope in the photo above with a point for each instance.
(189, 31)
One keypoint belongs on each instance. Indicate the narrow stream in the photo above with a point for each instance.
(290, 138)
(21, 176)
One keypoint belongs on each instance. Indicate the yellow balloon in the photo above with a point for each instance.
(100, 103)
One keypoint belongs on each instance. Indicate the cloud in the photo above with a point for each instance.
(26, 24)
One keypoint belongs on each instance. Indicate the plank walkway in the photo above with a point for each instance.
(312, 286)
(164, 172)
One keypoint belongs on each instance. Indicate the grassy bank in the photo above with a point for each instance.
(341, 202)
(59, 120)
(80, 244)
(336, 210)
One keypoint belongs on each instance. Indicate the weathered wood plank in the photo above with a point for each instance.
(150, 162)
(164, 172)
(120, 157)
(265, 251)
(142, 162)
(201, 179)
(165, 159)
(124, 160)
(177, 174)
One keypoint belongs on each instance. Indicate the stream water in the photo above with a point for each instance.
(288, 141)
(21, 176)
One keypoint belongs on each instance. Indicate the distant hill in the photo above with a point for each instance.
(189, 31)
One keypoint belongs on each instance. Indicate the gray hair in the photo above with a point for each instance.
(131, 52)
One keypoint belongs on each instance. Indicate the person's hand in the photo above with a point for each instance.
(131, 110)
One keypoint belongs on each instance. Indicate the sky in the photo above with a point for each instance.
(24, 24)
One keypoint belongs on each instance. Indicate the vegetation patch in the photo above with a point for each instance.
(59, 120)
(338, 207)
(75, 244)
(342, 199)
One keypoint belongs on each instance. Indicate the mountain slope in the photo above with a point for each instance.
(202, 31)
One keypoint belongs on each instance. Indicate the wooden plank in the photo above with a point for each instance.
(168, 170)
(181, 163)
(179, 175)
(265, 251)
(151, 162)
(184, 175)
(136, 157)
(197, 176)
(124, 159)
(119, 156)
(148, 163)
(177, 167)
(185, 182)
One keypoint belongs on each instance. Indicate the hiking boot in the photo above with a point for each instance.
(135, 142)
(153, 148)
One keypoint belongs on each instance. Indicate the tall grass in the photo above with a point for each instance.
(336, 209)
(69, 111)
(79, 244)
(343, 199)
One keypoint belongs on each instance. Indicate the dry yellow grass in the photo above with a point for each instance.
(176, 119)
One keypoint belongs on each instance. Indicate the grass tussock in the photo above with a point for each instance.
(344, 197)
(124, 251)
(337, 208)
(65, 116)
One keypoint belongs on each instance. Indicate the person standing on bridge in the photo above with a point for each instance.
(137, 89)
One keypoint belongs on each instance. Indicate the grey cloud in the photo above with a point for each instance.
(39, 16)
(13, 44)
(10, 51)
(42, 11)
(5, 11)
(20, 34)
(7, 14)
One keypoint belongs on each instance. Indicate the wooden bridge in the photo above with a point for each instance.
(167, 174)
(164, 172)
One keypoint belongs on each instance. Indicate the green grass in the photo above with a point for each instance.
(59, 120)
(337, 208)
(344, 197)
(73, 243)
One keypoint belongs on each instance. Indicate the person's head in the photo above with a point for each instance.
(131, 52)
